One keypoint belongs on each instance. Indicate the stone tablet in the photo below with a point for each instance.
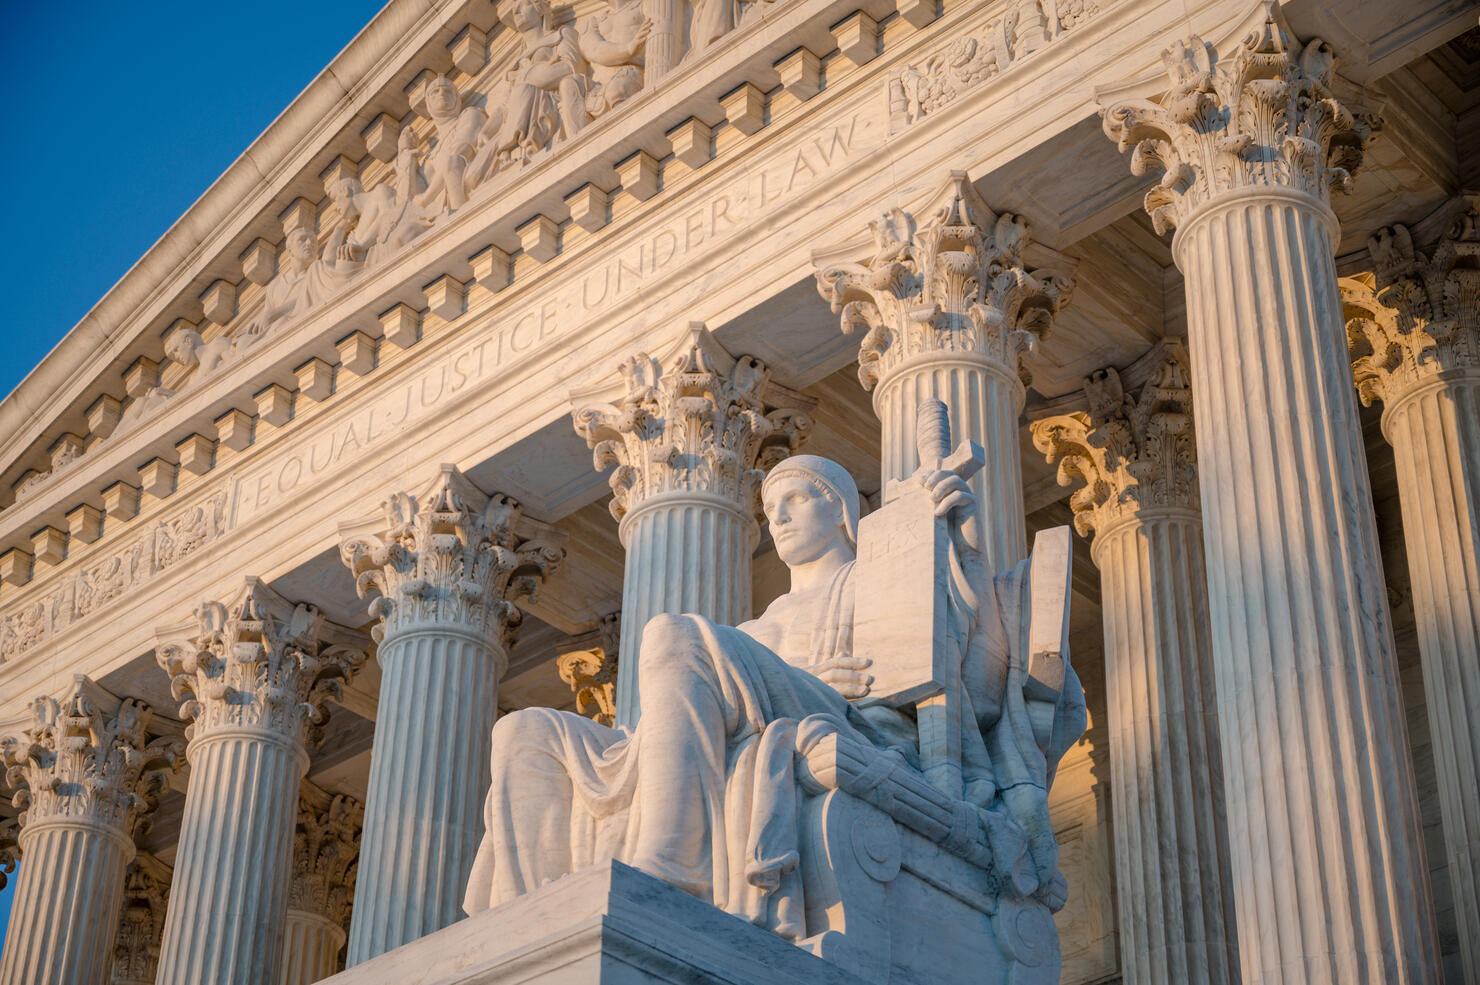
(900, 598)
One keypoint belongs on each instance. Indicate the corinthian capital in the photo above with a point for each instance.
(1419, 315)
(79, 762)
(1133, 454)
(1262, 112)
(707, 422)
(146, 891)
(451, 556)
(956, 284)
(326, 849)
(260, 663)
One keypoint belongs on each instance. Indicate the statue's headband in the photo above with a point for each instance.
(828, 476)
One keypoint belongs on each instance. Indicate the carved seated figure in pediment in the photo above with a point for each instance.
(563, 78)
(866, 776)
(304, 281)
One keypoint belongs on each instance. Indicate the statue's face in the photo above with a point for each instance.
(300, 244)
(805, 522)
(442, 99)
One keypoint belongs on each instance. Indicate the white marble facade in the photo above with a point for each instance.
(573, 482)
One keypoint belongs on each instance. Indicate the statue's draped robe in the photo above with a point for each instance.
(703, 792)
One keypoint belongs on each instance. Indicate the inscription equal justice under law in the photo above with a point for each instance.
(564, 309)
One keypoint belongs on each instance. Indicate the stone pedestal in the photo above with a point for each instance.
(324, 855)
(1136, 457)
(1327, 857)
(691, 443)
(257, 674)
(448, 565)
(606, 925)
(86, 780)
(1414, 331)
(948, 308)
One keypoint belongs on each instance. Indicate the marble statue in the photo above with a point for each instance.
(185, 346)
(304, 280)
(705, 792)
(563, 78)
(445, 167)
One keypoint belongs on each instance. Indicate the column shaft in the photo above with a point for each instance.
(230, 893)
(1435, 434)
(311, 950)
(686, 552)
(1171, 840)
(1331, 884)
(984, 402)
(64, 915)
(428, 774)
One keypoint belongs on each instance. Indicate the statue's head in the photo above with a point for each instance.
(300, 244)
(443, 99)
(181, 346)
(342, 192)
(811, 505)
(525, 15)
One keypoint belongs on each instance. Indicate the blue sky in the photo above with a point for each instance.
(121, 115)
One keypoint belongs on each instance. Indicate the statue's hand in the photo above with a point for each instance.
(948, 490)
(844, 674)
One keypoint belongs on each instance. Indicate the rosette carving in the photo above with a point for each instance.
(1132, 453)
(452, 556)
(708, 422)
(78, 761)
(326, 850)
(146, 891)
(1264, 114)
(1419, 314)
(956, 284)
(259, 663)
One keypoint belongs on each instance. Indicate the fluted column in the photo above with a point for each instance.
(1137, 459)
(1414, 331)
(146, 891)
(691, 442)
(256, 675)
(448, 565)
(948, 307)
(86, 780)
(1330, 881)
(325, 852)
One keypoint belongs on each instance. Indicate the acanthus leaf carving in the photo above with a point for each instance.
(326, 849)
(1265, 114)
(592, 673)
(260, 663)
(957, 283)
(1133, 454)
(708, 422)
(1418, 316)
(77, 760)
(146, 891)
(454, 556)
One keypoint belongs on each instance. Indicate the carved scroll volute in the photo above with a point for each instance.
(450, 556)
(592, 673)
(77, 760)
(1418, 314)
(956, 283)
(1262, 113)
(707, 422)
(1133, 454)
(261, 662)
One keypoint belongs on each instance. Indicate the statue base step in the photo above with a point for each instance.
(606, 925)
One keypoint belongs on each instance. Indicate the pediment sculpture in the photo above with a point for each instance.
(850, 770)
